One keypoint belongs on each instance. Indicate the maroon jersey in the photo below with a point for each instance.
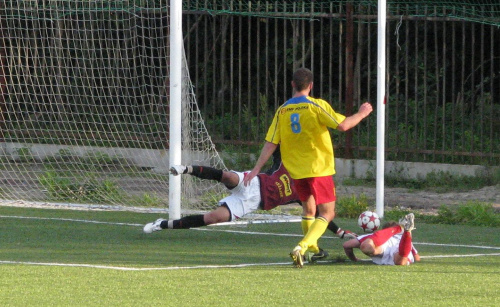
(277, 189)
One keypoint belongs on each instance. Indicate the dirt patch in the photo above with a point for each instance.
(14, 185)
(426, 201)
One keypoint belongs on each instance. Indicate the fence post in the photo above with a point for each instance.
(349, 78)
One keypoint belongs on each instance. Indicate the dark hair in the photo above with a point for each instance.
(302, 77)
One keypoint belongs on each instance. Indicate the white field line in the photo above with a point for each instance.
(458, 245)
(209, 266)
(144, 269)
(256, 233)
(226, 230)
(67, 220)
(229, 266)
(459, 256)
(327, 237)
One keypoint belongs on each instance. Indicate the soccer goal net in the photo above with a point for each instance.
(84, 107)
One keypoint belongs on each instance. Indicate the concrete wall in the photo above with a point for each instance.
(158, 160)
(410, 170)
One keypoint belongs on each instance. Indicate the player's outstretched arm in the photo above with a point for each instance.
(349, 122)
(265, 154)
(349, 247)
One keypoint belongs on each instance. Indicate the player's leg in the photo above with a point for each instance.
(371, 245)
(369, 248)
(341, 233)
(310, 241)
(308, 204)
(318, 228)
(308, 214)
(219, 215)
(405, 245)
(401, 257)
(307, 220)
(322, 190)
(229, 179)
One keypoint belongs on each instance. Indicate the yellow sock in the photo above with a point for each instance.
(315, 232)
(306, 223)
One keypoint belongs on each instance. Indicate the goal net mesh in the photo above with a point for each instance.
(84, 106)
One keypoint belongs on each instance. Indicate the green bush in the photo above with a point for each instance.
(65, 189)
(148, 200)
(351, 207)
(395, 214)
(471, 213)
(445, 216)
(446, 181)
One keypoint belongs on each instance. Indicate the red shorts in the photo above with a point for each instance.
(322, 188)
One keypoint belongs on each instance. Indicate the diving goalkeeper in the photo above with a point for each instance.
(265, 192)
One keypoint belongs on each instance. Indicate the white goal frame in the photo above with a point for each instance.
(381, 101)
(176, 60)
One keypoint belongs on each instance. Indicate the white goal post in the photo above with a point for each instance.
(86, 102)
(381, 100)
(176, 61)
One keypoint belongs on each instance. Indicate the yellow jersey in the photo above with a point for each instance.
(300, 126)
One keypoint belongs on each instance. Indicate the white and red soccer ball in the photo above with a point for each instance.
(369, 221)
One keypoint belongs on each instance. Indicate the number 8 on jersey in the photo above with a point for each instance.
(295, 124)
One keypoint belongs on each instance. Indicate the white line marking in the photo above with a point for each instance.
(143, 269)
(208, 266)
(458, 245)
(227, 230)
(256, 233)
(459, 256)
(243, 265)
(68, 220)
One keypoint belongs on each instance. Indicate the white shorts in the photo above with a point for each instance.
(243, 199)
(389, 248)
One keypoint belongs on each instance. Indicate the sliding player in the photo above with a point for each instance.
(390, 246)
(266, 191)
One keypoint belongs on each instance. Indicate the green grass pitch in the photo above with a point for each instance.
(102, 258)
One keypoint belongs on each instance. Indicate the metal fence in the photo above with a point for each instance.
(443, 76)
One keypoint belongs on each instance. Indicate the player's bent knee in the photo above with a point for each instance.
(367, 247)
(219, 215)
(327, 210)
(230, 179)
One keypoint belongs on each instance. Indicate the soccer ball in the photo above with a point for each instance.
(369, 221)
